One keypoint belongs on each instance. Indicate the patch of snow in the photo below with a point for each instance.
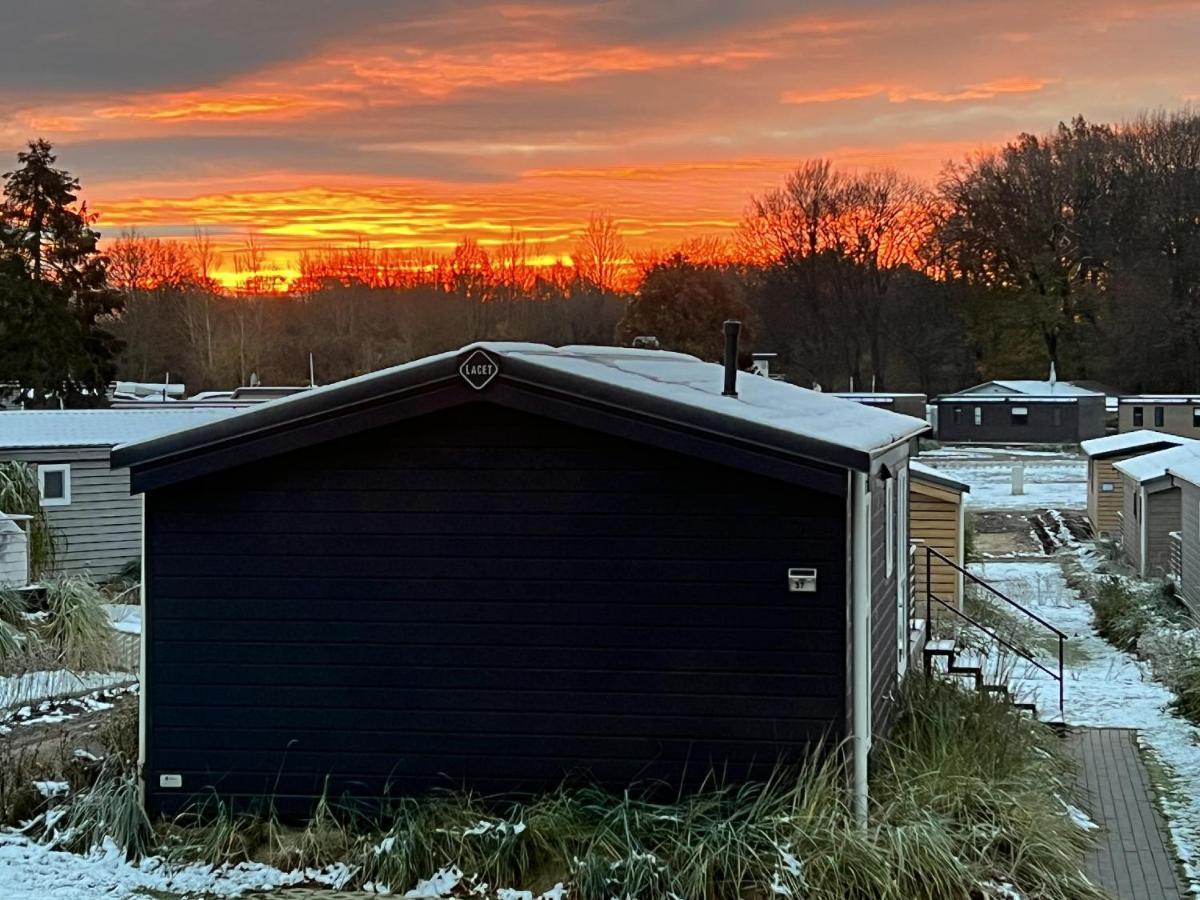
(31, 871)
(1055, 483)
(442, 884)
(125, 617)
(52, 789)
(1079, 817)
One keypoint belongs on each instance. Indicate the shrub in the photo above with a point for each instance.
(76, 625)
(965, 793)
(20, 495)
(109, 808)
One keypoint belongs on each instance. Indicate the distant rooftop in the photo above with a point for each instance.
(1027, 387)
(32, 428)
(1130, 440)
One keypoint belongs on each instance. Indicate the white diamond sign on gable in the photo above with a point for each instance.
(478, 370)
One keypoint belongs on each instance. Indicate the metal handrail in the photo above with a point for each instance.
(979, 581)
(930, 597)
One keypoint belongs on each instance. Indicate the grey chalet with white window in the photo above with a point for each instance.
(497, 566)
(96, 523)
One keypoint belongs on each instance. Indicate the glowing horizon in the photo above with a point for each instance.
(418, 128)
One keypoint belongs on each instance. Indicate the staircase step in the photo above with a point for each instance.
(971, 671)
(995, 689)
(1030, 708)
(943, 647)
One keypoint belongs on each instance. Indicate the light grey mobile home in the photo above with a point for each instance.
(96, 522)
(1151, 509)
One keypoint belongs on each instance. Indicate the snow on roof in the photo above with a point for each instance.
(698, 384)
(26, 429)
(1034, 388)
(1160, 398)
(675, 377)
(920, 470)
(1150, 466)
(1130, 440)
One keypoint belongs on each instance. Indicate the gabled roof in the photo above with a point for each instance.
(1143, 439)
(1152, 466)
(22, 429)
(1028, 388)
(667, 389)
(922, 472)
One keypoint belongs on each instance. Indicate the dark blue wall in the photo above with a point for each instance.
(485, 597)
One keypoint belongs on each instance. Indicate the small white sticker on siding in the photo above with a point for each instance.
(170, 781)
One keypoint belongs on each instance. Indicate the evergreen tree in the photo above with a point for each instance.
(53, 347)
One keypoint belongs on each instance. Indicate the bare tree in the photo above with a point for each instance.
(600, 255)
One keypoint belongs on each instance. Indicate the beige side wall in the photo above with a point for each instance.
(1177, 418)
(1103, 506)
(933, 519)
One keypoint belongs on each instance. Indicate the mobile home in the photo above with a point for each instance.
(1021, 412)
(1151, 508)
(1185, 542)
(1106, 496)
(1177, 414)
(495, 566)
(97, 524)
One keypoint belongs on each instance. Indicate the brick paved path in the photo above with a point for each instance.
(1133, 858)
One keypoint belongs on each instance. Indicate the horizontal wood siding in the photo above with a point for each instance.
(1131, 545)
(1079, 420)
(934, 521)
(1177, 418)
(488, 597)
(1103, 506)
(1189, 581)
(1164, 513)
(884, 663)
(100, 530)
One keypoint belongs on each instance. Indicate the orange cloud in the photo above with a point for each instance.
(904, 94)
(215, 105)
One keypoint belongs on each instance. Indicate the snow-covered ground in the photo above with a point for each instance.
(31, 871)
(1053, 479)
(1106, 687)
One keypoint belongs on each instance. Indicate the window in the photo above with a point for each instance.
(958, 415)
(1158, 417)
(54, 484)
(889, 511)
(1137, 417)
(1056, 416)
(1196, 416)
(979, 415)
(1020, 415)
(1107, 487)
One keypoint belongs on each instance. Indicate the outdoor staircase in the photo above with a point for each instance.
(945, 657)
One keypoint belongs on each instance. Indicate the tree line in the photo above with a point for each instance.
(1079, 248)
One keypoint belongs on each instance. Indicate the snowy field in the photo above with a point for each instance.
(1053, 479)
(1108, 689)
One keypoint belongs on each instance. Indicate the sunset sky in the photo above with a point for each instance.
(415, 123)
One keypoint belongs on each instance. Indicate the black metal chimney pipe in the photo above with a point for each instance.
(732, 329)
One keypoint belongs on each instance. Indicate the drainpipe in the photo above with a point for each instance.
(860, 637)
